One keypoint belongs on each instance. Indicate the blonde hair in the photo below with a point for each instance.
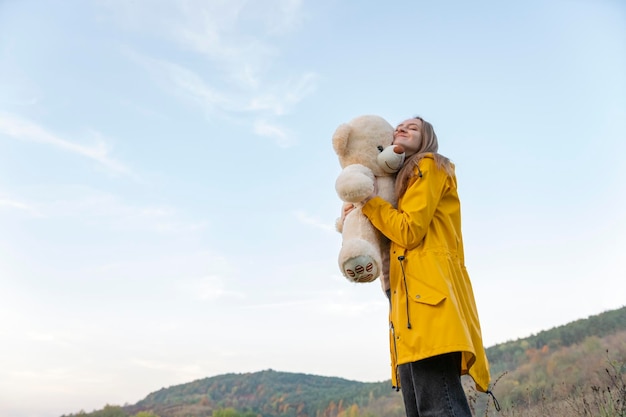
(429, 145)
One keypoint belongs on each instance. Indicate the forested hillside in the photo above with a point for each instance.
(572, 370)
(508, 356)
(268, 393)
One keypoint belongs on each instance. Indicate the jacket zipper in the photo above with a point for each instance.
(395, 357)
(406, 292)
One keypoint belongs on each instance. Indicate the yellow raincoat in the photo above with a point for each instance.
(433, 310)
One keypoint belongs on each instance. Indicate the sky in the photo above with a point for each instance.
(167, 200)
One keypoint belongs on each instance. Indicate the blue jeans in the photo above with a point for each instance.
(432, 387)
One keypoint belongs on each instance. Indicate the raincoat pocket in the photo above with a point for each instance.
(428, 296)
(427, 281)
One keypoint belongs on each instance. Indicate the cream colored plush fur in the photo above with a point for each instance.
(366, 156)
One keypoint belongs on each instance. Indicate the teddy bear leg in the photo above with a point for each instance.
(362, 268)
(360, 260)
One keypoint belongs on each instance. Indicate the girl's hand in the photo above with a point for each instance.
(347, 208)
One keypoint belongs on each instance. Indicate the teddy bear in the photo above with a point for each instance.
(368, 161)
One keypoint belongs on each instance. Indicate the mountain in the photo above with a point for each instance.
(508, 356)
(554, 366)
(268, 393)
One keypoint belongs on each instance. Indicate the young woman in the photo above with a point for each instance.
(435, 334)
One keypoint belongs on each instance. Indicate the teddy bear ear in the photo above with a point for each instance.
(340, 138)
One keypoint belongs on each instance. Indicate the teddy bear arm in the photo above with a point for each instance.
(355, 183)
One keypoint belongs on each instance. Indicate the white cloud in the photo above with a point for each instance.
(275, 99)
(187, 84)
(354, 308)
(19, 205)
(281, 136)
(45, 376)
(100, 207)
(237, 75)
(208, 288)
(284, 17)
(173, 367)
(94, 204)
(47, 338)
(22, 129)
(305, 218)
(282, 97)
(230, 33)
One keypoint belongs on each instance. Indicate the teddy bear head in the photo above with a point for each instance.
(361, 140)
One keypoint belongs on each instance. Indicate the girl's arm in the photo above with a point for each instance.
(407, 225)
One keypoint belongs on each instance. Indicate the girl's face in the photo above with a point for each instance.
(409, 135)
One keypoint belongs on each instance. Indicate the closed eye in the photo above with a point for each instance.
(412, 126)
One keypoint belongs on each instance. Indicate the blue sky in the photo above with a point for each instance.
(167, 180)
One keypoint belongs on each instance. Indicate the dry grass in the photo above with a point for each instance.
(607, 399)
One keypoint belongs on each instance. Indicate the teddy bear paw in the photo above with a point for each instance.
(355, 183)
(361, 268)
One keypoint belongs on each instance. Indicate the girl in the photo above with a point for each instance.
(435, 334)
